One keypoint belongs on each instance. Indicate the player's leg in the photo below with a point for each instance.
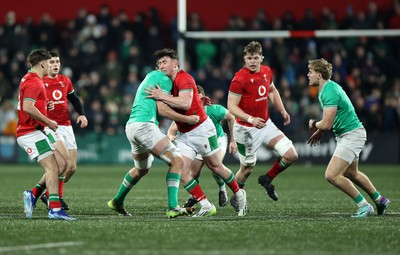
(362, 180)
(274, 138)
(50, 166)
(61, 155)
(214, 162)
(41, 149)
(222, 193)
(166, 151)
(335, 175)
(184, 142)
(195, 172)
(72, 164)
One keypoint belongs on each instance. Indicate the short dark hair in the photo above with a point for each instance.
(201, 90)
(54, 54)
(166, 53)
(36, 56)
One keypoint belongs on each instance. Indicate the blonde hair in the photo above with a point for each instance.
(321, 66)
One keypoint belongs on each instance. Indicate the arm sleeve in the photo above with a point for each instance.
(76, 102)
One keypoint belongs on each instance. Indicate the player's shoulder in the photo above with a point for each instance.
(31, 78)
(265, 69)
(184, 77)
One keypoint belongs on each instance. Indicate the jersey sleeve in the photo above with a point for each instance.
(186, 83)
(330, 97)
(70, 87)
(31, 91)
(236, 86)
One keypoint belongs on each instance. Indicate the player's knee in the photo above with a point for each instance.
(145, 163)
(331, 178)
(171, 153)
(143, 172)
(286, 149)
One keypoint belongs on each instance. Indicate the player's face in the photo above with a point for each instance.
(168, 66)
(253, 61)
(313, 77)
(46, 67)
(55, 65)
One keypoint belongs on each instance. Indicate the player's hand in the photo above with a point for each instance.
(315, 138)
(258, 122)
(310, 122)
(192, 119)
(50, 105)
(286, 117)
(52, 124)
(171, 137)
(155, 93)
(206, 101)
(232, 147)
(82, 120)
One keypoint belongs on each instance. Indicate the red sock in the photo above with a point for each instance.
(277, 168)
(195, 190)
(54, 201)
(61, 187)
(37, 190)
(232, 183)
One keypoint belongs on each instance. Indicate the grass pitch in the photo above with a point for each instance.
(311, 217)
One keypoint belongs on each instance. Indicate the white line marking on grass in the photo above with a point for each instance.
(39, 246)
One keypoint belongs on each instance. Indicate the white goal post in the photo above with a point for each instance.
(182, 29)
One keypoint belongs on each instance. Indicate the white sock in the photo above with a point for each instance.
(222, 188)
(362, 203)
(378, 199)
(205, 203)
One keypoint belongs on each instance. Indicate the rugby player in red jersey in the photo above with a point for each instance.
(32, 119)
(249, 92)
(59, 91)
(194, 139)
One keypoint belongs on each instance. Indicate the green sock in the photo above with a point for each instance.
(360, 200)
(376, 197)
(241, 184)
(124, 189)
(172, 189)
(218, 179)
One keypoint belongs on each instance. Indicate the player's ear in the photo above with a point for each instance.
(41, 64)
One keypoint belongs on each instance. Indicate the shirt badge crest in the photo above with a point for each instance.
(252, 80)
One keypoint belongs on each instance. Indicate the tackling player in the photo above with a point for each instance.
(147, 140)
(217, 114)
(194, 139)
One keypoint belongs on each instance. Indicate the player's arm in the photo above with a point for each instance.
(32, 111)
(77, 104)
(231, 122)
(326, 122)
(172, 130)
(276, 99)
(166, 111)
(182, 101)
(233, 106)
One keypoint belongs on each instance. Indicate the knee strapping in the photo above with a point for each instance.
(283, 145)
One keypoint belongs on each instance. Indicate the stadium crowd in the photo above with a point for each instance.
(106, 56)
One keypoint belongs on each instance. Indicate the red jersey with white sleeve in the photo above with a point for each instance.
(57, 89)
(184, 81)
(30, 88)
(254, 88)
